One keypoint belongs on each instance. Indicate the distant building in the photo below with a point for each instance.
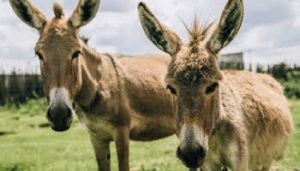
(232, 61)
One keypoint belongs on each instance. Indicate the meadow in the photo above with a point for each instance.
(28, 144)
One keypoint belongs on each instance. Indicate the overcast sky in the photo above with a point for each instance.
(270, 32)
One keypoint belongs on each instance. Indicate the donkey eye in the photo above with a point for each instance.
(40, 56)
(171, 89)
(76, 55)
(212, 88)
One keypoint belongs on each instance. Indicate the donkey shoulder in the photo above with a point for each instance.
(248, 83)
(262, 102)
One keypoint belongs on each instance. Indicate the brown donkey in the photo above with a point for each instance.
(116, 98)
(224, 119)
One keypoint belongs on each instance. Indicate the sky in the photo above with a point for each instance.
(270, 32)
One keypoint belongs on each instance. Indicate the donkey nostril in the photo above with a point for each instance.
(49, 116)
(178, 153)
(201, 152)
(69, 113)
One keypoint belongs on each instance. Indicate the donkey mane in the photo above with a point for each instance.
(58, 10)
(197, 33)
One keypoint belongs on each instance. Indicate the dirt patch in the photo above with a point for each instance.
(15, 118)
(44, 125)
(31, 125)
(14, 167)
(2, 133)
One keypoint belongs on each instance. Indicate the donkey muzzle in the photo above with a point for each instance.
(60, 117)
(191, 156)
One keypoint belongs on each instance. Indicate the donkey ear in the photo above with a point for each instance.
(228, 26)
(85, 11)
(28, 13)
(160, 35)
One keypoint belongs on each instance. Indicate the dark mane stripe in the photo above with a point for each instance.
(58, 11)
(197, 33)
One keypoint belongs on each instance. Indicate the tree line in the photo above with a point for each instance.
(16, 89)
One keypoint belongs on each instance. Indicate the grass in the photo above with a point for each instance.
(25, 146)
(292, 156)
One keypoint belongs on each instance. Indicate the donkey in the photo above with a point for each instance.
(117, 99)
(224, 119)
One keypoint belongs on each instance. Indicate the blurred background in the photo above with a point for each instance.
(268, 42)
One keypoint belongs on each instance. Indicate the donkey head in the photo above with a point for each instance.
(59, 50)
(193, 75)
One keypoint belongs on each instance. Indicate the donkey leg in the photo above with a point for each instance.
(240, 163)
(224, 169)
(102, 151)
(239, 156)
(266, 168)
(122, 145)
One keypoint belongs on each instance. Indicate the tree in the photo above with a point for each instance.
(280, 71)
(2, 89)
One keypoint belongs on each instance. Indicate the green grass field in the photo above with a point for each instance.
(27, 145)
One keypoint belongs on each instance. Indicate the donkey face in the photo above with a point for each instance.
(59, 50)
(193, 76)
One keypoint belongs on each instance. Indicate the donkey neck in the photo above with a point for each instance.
(99, 79)
(229, 100)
